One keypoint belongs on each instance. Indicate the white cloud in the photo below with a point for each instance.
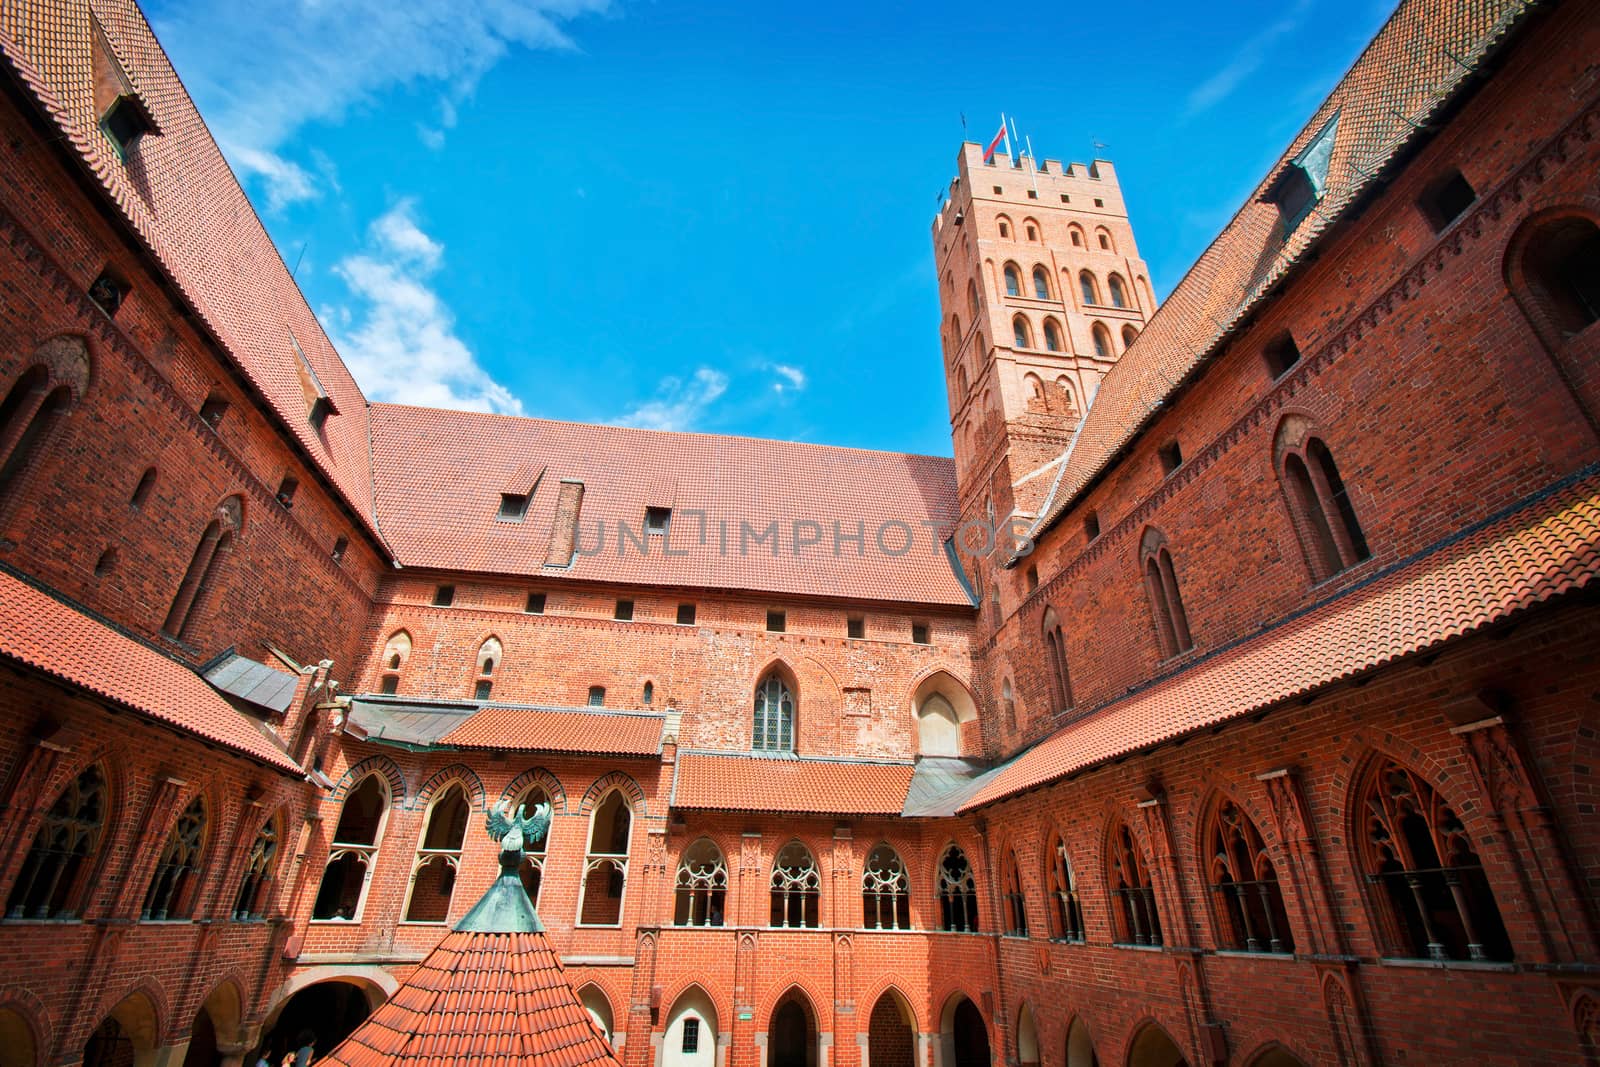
(678, 404)
(399, 338)
(790, 377)
(1244, 62)
(261, 71)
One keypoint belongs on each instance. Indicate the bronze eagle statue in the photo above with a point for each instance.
(516, 833)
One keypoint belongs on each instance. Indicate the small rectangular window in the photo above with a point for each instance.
(340, 547)
(109, 291)
(286, 490)
(777, 621)
(597, 696)
(1281, 354)
(1033, 578)
(1098, 202)
(856, 626)
(390, 685)
(125, 121)
(691, 1036)
(482, 689)
(1171, 457)
(513, 507)
(656, 520)
(444, 596)
(535, 605)
(212, 410)
(321, 408)
(1446, 200)
(685, 614)
(919, 633)
(1065, 199)
(624, 611)
(1033, 194)
(998, 190)
(1091, 526)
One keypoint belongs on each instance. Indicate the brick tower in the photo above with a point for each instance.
(1041, 289)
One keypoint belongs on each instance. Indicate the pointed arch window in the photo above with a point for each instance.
(1056, 647)
(1135, 917)
(972, 300)
(774, 716)
(533, 853)
(255, 885)
(1016, 903)
(605, 867)
(1076, 234)
(1068, 404)
(36, 404)
(438, 859)
(1041, 283)
(885, 891)
(1319, 502)
(1013, 280)
(1560, 267)
(1052, 336)
(490, 654)
(701, 897)
(1089, 288)
(1129, 335)
(395, 653)
(1066, 907)
(1244, 885)
(172, 887)
(1021, 333)
(215, 543)
(1166, 605)
(958, 893)
(354, 852)
(1433, 898)
(1118, 291)
(796, 888)
(58, 864)
(1102, 341)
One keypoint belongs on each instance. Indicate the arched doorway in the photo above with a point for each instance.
(598, 1006)
(17, 1039)
(126, 1037)
(690, 1039)
(1027, 1038)
(215, 1024)
(943, 706)
(891, 1033)
(1153, 1048)
(1276, 1056)
(323, 1015)
(1080, 1049)
(792, 1033)
(963, 1034)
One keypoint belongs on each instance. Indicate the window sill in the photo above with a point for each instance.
(605, 926)
(1131, 947)
(1010, 935)
(1447, 965)
(24, 921)
(1068, 941)
(1244, 953)
(333, 922)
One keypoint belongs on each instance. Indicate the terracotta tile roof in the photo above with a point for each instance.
(178, 194)
(440, 475)
(1426, 51)
(608, 733)
(1492, 571)
(55, 639)
(789, 784)
(480, 998)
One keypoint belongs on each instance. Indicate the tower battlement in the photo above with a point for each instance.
(1091, 187)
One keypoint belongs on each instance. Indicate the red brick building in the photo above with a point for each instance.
(1263, 732)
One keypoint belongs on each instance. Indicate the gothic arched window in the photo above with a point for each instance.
(60, 860)
(353, 852)
(774, 716)
(885, 891)
(1041, 283)
(438, 859)
(1089, 288)
(1066, 910)
(1136, 919)
(490, 653)
(1129, 335)
(958, 893)
(1013, 280)
(1319, 503)
(1429, 886)
(1166, 605)
(198, 580)
(533, 853)
(702, 886)
(1056, 646)
(171, 891)
(395, 653)
(1016, 903)
(36, 403)
(1021, 334)
(605, 868)
(1119, 291)
(796, 887)
(1052, 336)
(1102, 341)
(255, 885)
(1250, 911)
(972, 301)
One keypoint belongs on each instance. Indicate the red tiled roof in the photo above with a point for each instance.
(480, 998)
(793, 784)
(440, 475)
(537, 730)
(1425, 52)
(1541, 551)
(54, 639)
(188, 209)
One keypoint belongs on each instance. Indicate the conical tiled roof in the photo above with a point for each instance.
(493, 992)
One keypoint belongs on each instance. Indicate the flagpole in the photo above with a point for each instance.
(1033, 169)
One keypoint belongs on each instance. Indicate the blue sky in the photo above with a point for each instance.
(712, 216)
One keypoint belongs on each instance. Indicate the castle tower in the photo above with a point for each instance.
(1041, 289)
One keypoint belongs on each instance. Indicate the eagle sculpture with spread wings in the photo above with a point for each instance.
(518, 832)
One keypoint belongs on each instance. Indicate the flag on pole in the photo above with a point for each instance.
(988, 153)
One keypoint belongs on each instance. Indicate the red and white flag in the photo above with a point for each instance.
(988, 153)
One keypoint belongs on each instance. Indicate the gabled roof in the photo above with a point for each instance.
(1424, 54)
(1487, 573)
(440, 476)
(780, 783)
(55, 639)
(178, 195)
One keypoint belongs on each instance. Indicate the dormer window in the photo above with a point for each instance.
(656, 520)
(1304, 180)
(513, 507)
(125, 121)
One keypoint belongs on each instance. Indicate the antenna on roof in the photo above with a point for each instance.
(1096, 146)
(298, 258)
